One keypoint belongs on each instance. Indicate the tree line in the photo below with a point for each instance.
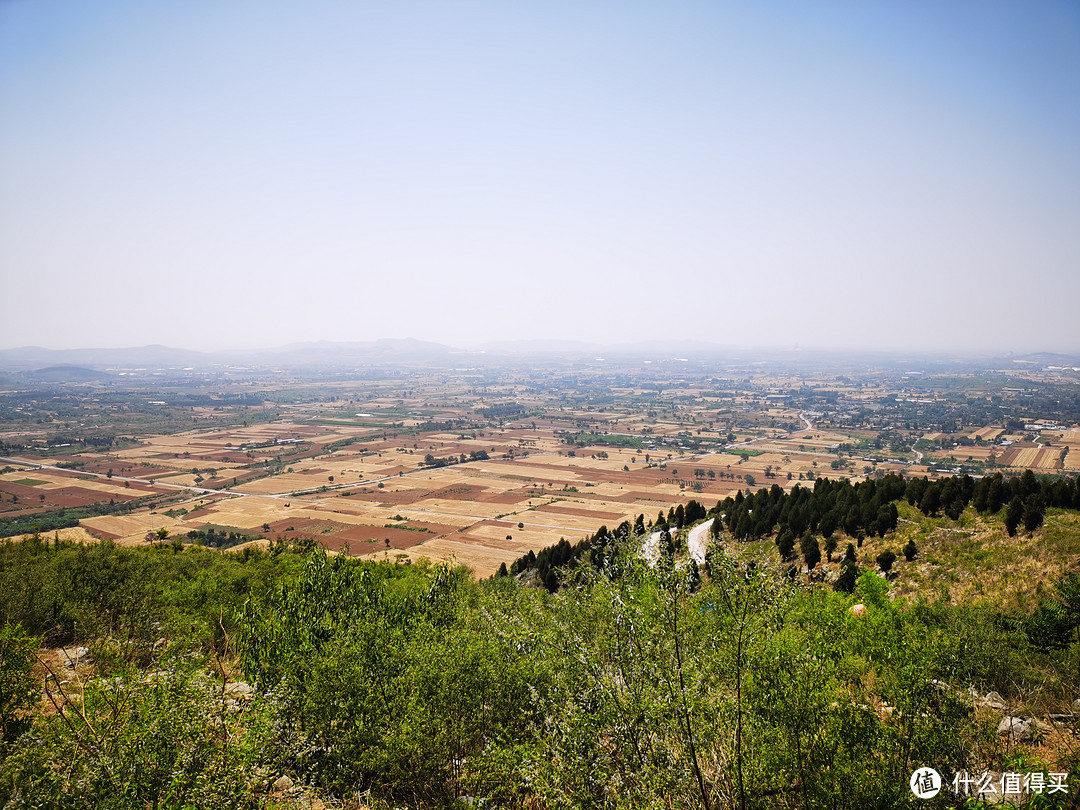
(476, 455)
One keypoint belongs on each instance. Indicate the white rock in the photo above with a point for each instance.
(73, 656)
(1018, 729)
(283, 783)
(239, 690)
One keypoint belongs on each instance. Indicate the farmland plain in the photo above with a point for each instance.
(484, 463)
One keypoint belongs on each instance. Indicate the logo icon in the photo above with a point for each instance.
(925, 783)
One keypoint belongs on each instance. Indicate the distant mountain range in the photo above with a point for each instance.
(1043, 359)
(88, 365)
(153, 358)
(29, 358)
(68, 374)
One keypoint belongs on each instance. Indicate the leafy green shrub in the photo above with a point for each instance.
(382, 676)
(872, 589)
(160, 741)
(18, 686)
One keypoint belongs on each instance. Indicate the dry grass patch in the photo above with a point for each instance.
(975, 559)
(484, 560)
(74, 534)
(521, 540)
(131, 529)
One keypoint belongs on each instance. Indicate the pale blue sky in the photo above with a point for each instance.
(837, 174)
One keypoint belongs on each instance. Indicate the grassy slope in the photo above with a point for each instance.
(972, 559)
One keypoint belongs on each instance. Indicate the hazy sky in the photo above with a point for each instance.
(231, 175)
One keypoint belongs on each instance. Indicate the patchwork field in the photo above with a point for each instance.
(378, 496)
(483, 467)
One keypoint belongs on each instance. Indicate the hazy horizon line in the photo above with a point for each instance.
(556, 345)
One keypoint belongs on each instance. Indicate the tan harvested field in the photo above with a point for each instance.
(130, 529)
(56, 482)
(1035, 458)
(520, 540)
(465, 510)
(75, 534)
(969, 453)
(479, 556)
(1069, 441)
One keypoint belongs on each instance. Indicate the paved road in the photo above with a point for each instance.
(697, 540)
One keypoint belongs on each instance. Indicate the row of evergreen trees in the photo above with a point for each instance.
(1026, 497)
(864, 508)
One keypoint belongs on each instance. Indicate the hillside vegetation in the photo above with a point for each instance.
(286, 677)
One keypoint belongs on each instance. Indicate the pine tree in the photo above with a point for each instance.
(830, 547)
(1034, 511)
(886, 559)
(910, 550)
(667, 546)
(693, 576)
(1013, 514)
(785, 544)
(849, 576)
(810, 550)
